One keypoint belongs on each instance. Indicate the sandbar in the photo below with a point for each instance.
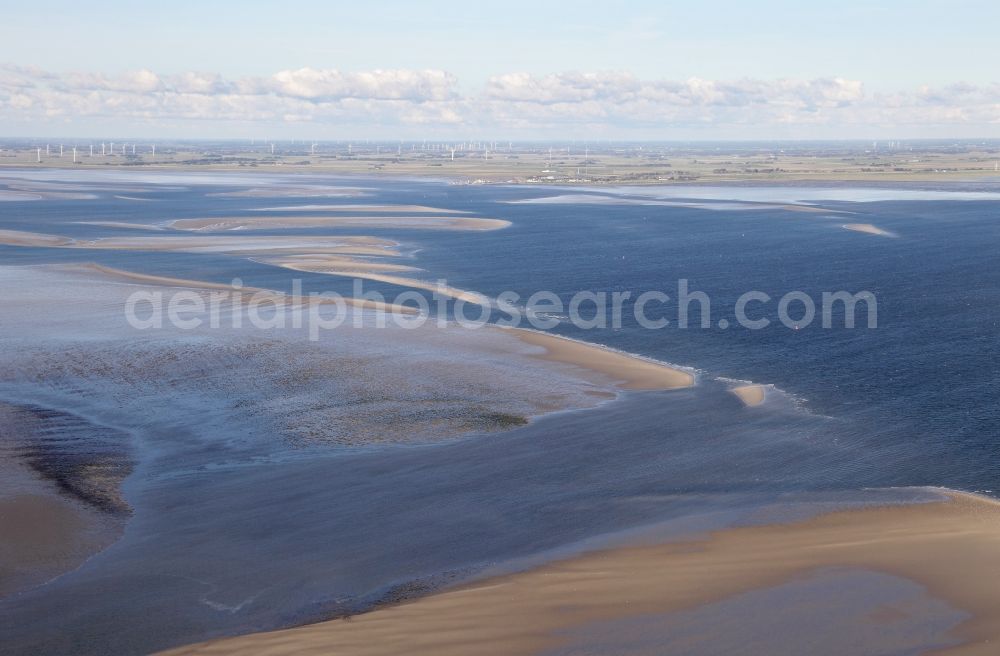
(366, 272)
(948, 546)
(305, 191)
(123, 224)
(272, 222)
(246, 292)
(869, 229)
(750, 395)
(629, 371)
(319, 263)
(22, 238)
(413, 209)
(348, 244)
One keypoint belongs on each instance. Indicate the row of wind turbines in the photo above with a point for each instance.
(107, 149)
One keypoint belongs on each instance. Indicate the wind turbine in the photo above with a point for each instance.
(39, 154)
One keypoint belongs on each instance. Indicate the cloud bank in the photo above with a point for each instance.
(514, 103)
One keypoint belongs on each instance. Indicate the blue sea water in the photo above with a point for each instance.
(909, 403)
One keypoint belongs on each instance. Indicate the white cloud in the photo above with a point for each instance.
(574, 102)
(316, 84)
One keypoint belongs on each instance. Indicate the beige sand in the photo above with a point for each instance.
(246, 292)
(413, 209)
(629, 371)
(276, 222)
(21, 238)
(348, 244)
(791, 207)
(751, 395)
(372, 271)
(951, 547)
(304, 191)
(42, 536)
(122, 224)
(43, 532)
(318, 263)
(868, 228)
(222, 244)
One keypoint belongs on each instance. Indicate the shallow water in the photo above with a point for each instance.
(235, 529)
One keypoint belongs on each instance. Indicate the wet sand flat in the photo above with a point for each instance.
(46, 529)
(43, 535)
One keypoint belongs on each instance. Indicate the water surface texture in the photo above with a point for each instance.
(236, 528)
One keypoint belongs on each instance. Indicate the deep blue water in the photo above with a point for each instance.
(920, 389)
(912, 402)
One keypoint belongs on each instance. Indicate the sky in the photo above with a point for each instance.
(770, 69)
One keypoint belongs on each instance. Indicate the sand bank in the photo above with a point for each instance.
(412, 209)
(348, 244)
(717, 205)
(868, 228)
(319, 263)
(751, 395)
(809, 209)
(304, 191)
(221, 244)
(17, 196)
(276, 222)
(123, 224)
(246, 292)
(21, 238)
(948, 546)
(366, 272)
(630, 372)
